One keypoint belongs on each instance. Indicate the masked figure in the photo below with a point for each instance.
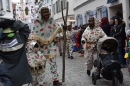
(60, 41)
(70, 43)
(45, 32)
(90, 36)
(13, 52)
(36, 62)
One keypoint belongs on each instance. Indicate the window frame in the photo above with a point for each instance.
(1, 3)
(8, 6)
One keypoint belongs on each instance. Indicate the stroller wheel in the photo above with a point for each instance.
(121, 77)
(94, 78)
(114, 81)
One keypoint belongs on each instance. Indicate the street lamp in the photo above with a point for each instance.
(2, 13)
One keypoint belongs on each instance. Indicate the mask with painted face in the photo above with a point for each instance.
(91, 22)
(45, 13)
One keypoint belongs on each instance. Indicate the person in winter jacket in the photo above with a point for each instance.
(105, 25)
(118, 32)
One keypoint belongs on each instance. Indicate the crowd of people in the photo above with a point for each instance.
(25, 56)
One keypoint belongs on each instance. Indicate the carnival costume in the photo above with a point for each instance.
(91, 36)
(45, 32)
(12, 50)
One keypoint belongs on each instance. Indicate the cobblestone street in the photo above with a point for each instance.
(76, 74)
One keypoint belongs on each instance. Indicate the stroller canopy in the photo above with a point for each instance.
(108, 43)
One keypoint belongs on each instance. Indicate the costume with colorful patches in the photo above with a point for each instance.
(45, 32)
(70, 43)
(90, 36)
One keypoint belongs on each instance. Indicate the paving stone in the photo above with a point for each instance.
(76, 73)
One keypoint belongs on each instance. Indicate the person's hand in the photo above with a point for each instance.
(83, 42)
(55, 40)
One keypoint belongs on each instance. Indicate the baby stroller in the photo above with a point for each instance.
(107, 63)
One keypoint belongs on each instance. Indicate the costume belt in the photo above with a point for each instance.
(88, 44)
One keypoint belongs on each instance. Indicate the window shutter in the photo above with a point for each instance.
(85, 18)
(91, 14)
(81, 19)
(77, 20)
(95, 13)
(104, 12)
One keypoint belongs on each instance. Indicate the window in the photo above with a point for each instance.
(99, 13)
(8, 5)
(1, 5)
(65, 4)
(54, 9)
(47, 1)
(60, 5)
(56, 6)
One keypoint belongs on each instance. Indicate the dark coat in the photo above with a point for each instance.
(16, 61)
(5, 77)
(106, 28)
(118, 32)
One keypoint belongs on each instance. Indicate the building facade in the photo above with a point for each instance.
(84, 9)
(6, 10)
(26, 11)
(58, 13)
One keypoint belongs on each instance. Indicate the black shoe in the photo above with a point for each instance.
(68, 56)
(60, 54)
(56, 83)
(72, 57)
(88, 72)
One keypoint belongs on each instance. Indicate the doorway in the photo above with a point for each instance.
(116, 10)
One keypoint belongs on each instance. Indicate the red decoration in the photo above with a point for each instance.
(41, 29)
(49, 27)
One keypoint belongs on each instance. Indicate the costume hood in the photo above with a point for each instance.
(96, 23)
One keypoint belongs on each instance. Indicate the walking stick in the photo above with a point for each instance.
(64, 35)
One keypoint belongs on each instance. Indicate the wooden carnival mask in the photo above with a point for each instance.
(91, 22)
(45, 13)
(69, 27)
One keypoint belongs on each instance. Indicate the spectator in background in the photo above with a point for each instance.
(118, 32)
(105, 25)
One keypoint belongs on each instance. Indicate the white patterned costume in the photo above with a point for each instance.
(91, 36)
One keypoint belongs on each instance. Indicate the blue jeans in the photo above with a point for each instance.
(120, 50)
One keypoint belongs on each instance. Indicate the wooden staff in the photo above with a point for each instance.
(64, 35)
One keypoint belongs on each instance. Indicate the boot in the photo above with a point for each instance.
(56, 83)
(72, 57)
(88, 72)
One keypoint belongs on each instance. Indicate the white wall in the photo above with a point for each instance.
(8, 14)
(78, 2)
